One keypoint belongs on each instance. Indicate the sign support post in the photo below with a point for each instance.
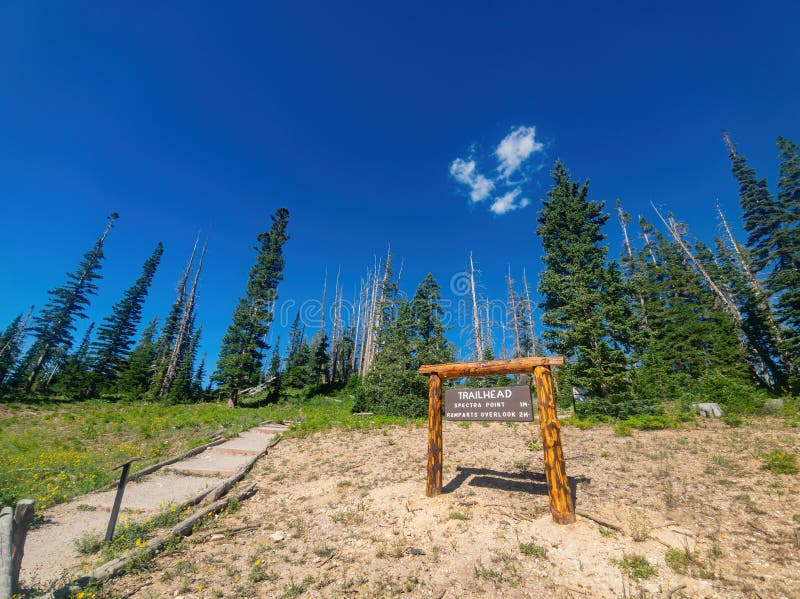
(561, 503)
(434, 480)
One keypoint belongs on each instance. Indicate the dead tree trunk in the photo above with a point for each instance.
(476, 325)
(184, 331)
(512, 304)
(529, 307)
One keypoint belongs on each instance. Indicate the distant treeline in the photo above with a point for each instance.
(671, 322)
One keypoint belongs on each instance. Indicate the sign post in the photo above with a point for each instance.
(488, 403)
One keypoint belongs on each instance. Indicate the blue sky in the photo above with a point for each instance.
(194, 117)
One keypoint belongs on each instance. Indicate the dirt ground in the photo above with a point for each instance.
(345, 514)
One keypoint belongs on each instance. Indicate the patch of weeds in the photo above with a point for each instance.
(723, 462)
(681, 561)
(535, 443)
(458, 516)
(347, 517)
(605, 454)
(296, 589)
(259, 573)
(732, 420)
(725, 482)
(522, 465)
(86, 508)
(234, 505)
(88, 543)
(532, 550)
(607, 532)
(623, 429)
(780, 462)
(635, 566)
(749, 504)
(324, 550)
(669, 494)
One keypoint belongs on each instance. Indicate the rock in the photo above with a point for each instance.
(709, 410)
(277, 536)
(216, 537)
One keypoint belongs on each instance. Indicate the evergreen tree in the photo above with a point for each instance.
(11, 345)
(690, 336)
(136, 377)
(197, 381)
(430, 345)
(414, 337)
(274, 375)
(343, 368)
(760, 211)
(586, 308)
(320, 358)
(115, 335)
(298, 359)
(392, 386)
(241, 356)
(784, 280)
(182, 388)
(54, 326)
(72, 377)
(298, 367)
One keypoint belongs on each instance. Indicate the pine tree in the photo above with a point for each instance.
(784, 280)
(11, 345)
(691, 336)
(116, 334)
(274, 375)
(54, 326)
(72, 377)
(760, 211)
(241, 356)
(197, 381)
(392, 386)
(320, 358)
(584, 299)
(414, 337)
(430, 345)
(136, 376)
(182, 387)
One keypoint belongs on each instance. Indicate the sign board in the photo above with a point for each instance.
(499, 404)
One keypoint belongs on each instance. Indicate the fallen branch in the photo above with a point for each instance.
(229, 531)
(597, 520)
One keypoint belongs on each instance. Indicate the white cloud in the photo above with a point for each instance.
(465, 171)
(508, 202)
(516, 148)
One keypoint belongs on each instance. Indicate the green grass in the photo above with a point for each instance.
(636, 567)
(53, 451)
(533, 550)
(780, 462)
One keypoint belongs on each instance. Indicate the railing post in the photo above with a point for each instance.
(561, 503)
(23, 514)
(6, 533)
(434, 481)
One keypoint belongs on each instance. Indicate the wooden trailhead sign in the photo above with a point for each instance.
(561, 504)
(498, 404)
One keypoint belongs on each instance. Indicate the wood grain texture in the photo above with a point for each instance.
(6, 532)
(23, 515)
(434, 480)
(561, 504)
(489, 367)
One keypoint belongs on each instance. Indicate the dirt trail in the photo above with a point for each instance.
(51, 554)
(345, 514)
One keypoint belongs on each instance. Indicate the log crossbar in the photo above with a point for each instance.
(562, 506)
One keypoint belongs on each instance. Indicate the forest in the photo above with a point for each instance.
(670, 322)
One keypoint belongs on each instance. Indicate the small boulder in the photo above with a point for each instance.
(709, 410)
